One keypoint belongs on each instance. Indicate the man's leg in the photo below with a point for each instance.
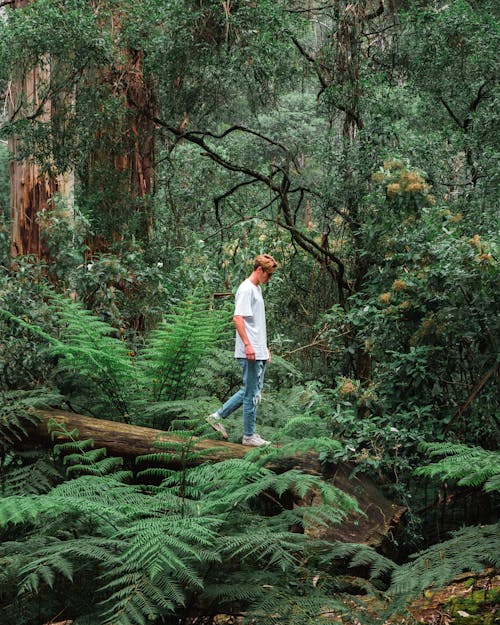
(253, 382)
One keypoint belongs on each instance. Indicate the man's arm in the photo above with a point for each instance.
(239, 322)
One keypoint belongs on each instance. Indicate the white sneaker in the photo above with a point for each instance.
(215, 421)
(255, 441)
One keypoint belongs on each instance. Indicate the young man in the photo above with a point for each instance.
(250, 350)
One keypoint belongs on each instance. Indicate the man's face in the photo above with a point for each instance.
(264, 275)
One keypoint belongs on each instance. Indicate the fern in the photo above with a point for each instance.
(23, 471)
(299, 604)
(28, 472)
(145, 551)
(468, 466)
(17, 414)
(89, 350)
(98, 373)
(355, 556)
(80, 457)
(173, 352)
(470, 549)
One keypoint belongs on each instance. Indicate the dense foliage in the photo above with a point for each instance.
(358, 143)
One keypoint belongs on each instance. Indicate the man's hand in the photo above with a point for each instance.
(249, 352)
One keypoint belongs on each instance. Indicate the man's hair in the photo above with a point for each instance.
(266, 261)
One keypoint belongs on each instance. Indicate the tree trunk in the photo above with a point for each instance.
(130, 441)
(32, 190)
(119, 171)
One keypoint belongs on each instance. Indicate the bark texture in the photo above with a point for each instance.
(32, 189)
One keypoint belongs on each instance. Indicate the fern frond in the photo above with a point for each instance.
(174, 350)
(468, 466)
(80, 456)
(298, 604)
(21, 509)
(37, 476)
(135, 599)
(265, 545)
(44, 570)
(90, 350)
(168, 544)
(296, 426)
(470, 549)
(15, 419)
(355, 554)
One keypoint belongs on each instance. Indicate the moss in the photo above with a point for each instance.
(479, 608)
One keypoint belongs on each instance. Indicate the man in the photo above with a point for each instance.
(250, 350)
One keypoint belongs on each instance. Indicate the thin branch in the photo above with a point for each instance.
(480, 96)
(233, 190)
(313, 60)
(218, 199)
(452, 114)
(475, 391)
(239, 128)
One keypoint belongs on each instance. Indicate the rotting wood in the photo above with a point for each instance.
(373, 528)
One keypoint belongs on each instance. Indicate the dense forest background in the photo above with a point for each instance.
(149, 149)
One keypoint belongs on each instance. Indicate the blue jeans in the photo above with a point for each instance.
(249, 394)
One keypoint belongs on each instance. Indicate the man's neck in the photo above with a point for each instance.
(253, 277)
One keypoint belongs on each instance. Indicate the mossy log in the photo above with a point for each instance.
(380, 517)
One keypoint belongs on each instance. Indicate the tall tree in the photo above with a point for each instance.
(73, 107)
(34, 187)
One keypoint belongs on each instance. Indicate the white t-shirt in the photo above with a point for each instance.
(249, 304)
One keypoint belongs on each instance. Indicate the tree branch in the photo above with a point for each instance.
(308, 244)
(237, 128)
(313, 60)
(452, 114)
(475, 391)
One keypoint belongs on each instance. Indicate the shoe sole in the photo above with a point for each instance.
(216, 427)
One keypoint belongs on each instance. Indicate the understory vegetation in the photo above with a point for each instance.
(358, 144)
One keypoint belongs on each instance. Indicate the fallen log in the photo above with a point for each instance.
(380, 517)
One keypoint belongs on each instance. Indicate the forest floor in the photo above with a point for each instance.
(469, 600)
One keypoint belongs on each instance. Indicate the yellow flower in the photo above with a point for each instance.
(484, 258)
(369, 345)
(430, 199)
(411, 177)
(384, 298)
(456, 218)
(378, 176)
(347, 388)
(393, 189)
(399, 285)
(426, 326)
(393, 163)
(405, 304)
(415, 187)
(475, 241)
